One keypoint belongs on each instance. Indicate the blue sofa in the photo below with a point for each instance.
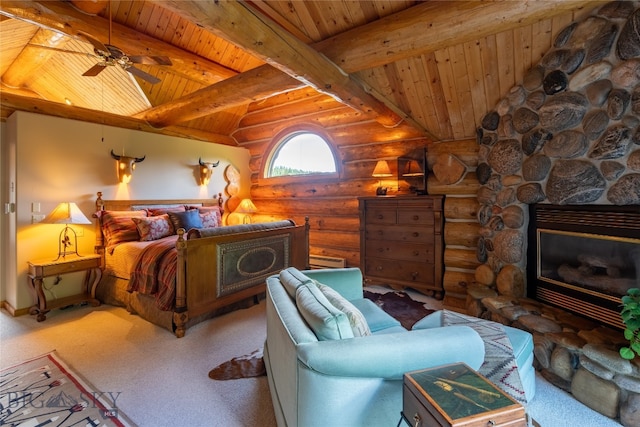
(325, 372)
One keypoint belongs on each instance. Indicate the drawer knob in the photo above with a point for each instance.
(379, 268)
(380, 216)
(416, 234)
(416, 420)
(380, 232)
(416, 217)
(416, 253)
(414, 275)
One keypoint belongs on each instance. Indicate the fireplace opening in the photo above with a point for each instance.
(584, 258)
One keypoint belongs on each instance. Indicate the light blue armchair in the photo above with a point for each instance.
(349, 380)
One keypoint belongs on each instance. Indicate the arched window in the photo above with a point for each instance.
(300, 153)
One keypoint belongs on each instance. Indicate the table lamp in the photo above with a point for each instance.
(246, 207)
(380, 171)
(66, 213)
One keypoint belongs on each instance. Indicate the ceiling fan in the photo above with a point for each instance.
(110, 55)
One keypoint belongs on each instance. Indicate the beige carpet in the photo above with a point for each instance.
(163, 380)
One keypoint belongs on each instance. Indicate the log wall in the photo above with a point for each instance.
(331, 202)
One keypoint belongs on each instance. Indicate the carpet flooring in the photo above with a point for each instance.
(163, 380)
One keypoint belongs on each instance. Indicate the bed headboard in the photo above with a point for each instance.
(129, 205)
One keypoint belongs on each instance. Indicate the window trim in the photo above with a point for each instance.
(287, 133)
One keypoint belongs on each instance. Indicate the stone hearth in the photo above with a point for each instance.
(575, 354)
(568, 134)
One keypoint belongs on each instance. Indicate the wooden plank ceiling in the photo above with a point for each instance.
(438, 65)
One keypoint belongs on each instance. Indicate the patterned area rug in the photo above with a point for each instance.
(44, 391)
(398, 304)
(499, 365)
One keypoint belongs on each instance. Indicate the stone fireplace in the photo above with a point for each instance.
(568, 136)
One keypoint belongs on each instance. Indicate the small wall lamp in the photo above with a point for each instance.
(412, 168)
(246, 207)
(125, 166)
(206, 170)
(381, 171)
(66, 213)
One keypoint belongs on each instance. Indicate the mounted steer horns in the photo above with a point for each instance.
(206, 170)
(125, 166)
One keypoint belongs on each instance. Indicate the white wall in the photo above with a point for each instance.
(64, 160)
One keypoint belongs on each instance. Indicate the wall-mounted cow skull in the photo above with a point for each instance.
(125, 166)
(206, 170)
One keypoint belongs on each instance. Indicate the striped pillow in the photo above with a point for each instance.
(118, 227)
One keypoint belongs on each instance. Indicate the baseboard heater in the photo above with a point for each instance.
(321, 261)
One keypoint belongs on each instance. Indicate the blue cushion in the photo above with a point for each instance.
(377, 318)
(291, 278)
(187, 220)
(326, 321)
(357, 320)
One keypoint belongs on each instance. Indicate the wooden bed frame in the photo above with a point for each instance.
(217, 270)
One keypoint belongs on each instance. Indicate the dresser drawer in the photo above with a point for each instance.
(400, 233)
(399, 250)
(407, 272)
(406, 217)
(381, 216)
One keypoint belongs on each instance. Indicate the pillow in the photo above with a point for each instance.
(187, 219)
(154, 227)
(162, 211)
(291, 278)
(210, 218)
(359, 325)
(118, 227)
(326, 321)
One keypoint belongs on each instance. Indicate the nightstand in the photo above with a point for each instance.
(40, 269)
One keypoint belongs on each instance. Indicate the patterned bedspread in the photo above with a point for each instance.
(155, 273)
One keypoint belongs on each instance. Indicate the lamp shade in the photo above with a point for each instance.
(246, 206)
(381, 169)
(412, 168)
(66, 213)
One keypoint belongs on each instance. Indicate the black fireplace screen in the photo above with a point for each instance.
(584, 258)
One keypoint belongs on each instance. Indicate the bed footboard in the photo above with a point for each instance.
(232, 264)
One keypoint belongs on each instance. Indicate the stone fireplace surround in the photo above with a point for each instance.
(568, 135)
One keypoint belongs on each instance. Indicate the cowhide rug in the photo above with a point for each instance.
(398, 304)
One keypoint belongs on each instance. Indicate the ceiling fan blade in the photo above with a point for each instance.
(145, 76)
(150, 60)
(95, 70)
(97, 44)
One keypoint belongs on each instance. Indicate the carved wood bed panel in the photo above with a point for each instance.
(216, 267)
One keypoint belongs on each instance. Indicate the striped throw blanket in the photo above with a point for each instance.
(499, 365)
(155, 273)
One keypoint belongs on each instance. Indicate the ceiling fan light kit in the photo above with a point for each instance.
(110, 55)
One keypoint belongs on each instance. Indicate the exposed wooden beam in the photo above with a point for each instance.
(253, 85)
(257, 34)
(61, 17)
(16, 99)
(434, 25)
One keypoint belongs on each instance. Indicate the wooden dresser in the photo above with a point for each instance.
(401, 242)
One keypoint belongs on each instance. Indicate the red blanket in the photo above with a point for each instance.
(155, 273)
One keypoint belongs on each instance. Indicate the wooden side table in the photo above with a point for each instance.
(40, 269)
(456, 395)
